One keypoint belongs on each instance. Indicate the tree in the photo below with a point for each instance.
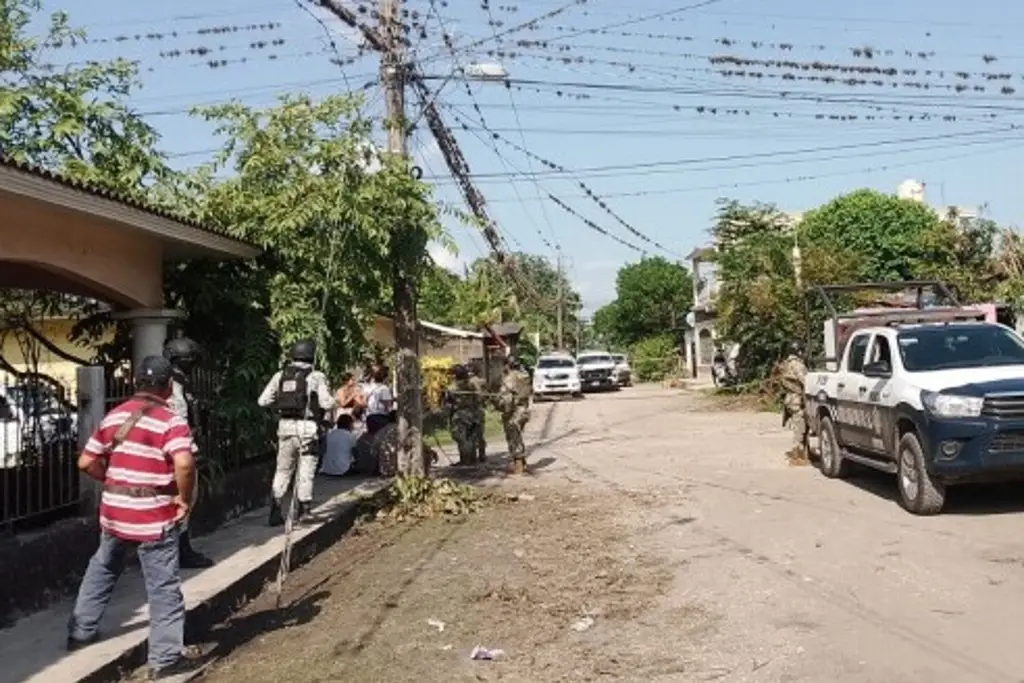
(76, 120)
(487, 295)
(760, 305)
(651, 297)
(605, 325)
(439, 292)
(893, 238)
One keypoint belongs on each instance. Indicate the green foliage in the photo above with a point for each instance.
(486, 295)
(438, 295)
(74, 120)
(653, 359)
(759, 304)
(651, 298)
(891, 237)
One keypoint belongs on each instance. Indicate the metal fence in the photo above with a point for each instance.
(39, 479)
(40, 440)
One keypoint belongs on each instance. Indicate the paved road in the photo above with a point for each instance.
(781, 574)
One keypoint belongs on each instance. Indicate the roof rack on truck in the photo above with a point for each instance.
(918, 302)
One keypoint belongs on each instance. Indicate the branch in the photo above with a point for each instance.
(49, 345)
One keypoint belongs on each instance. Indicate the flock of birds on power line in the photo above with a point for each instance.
(864, 87)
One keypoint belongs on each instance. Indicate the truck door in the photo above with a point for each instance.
(853, 424)
(878, 393)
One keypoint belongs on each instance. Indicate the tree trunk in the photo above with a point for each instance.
(407, 375)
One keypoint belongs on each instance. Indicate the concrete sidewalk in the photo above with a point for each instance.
(247, 553)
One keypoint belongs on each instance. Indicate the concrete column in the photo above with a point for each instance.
(91, 384)
(691, 366)
(149, 330)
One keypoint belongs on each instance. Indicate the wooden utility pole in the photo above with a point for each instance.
(393, 73)
(560, 304)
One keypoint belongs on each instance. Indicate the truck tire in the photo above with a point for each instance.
(833, 465)
(919, 492)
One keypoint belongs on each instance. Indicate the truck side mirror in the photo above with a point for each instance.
(879, 370)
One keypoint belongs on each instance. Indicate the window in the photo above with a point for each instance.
(858, 349)
(549, 363)
(951, 347)
(591, 360)
(881, 351)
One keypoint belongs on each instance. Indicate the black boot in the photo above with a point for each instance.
(303, 511)
(275, 518)
(189, 557)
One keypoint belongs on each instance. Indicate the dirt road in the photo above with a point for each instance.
(664, 543)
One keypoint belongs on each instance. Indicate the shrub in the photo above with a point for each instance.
(435, 375)
(654, 358)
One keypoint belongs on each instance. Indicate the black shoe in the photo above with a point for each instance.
(275, 518)
(74, 644)
(191, 660)
(302, 513)
(189, 557)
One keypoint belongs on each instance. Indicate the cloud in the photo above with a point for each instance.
(448, 260)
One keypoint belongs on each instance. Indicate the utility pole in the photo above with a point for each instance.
(579, 330)
(560, 304)
(393, 73)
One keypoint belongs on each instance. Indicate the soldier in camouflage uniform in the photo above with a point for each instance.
(479, 384)
(514, 404)
(792, 372)
(465, 406)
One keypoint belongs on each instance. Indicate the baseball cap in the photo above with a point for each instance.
(154, 371)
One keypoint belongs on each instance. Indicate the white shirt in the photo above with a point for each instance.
(378, 399)
(338, 455)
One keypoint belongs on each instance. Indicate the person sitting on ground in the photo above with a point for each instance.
(379, 401)
(350, 398)
(340, 442)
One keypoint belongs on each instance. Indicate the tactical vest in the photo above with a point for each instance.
(293, 393)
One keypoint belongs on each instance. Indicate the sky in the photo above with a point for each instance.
(626, 104)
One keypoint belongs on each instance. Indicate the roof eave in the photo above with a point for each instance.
(43, 189)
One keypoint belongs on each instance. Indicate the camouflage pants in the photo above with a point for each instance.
(513, 423)
(794, 406)
(481, 442)
(468, 436)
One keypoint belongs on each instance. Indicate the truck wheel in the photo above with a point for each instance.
(919, 492)
(833, 465)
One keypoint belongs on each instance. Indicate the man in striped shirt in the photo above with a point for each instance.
(142, 454)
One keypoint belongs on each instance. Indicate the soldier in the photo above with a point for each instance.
(792, 372)
(183, 353)
(514, 404)
(301, 396)
(478, 383)
(464, 404)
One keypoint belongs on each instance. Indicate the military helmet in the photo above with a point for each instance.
(181, 348)
(512, 361)
(303, 351)
(460, 371)
(796, 348)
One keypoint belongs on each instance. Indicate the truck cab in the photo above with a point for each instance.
(935, 397)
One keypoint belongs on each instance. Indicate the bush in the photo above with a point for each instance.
(654, 358)
(435, 375)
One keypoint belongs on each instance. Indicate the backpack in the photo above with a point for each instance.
(293, 393)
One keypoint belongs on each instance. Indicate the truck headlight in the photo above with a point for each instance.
(947, 405)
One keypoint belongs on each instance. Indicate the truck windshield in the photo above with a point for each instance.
(952, 347)
(548, 363)
(593, 360)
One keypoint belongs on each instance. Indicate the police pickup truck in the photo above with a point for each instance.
(933, 395)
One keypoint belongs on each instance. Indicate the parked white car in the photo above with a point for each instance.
(556, 374)
(623, 373)
(596, 370)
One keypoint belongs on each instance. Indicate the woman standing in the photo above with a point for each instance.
(379, 401)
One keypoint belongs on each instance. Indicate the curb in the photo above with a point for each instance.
(203, 617)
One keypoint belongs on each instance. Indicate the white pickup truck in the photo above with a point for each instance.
(934, 396)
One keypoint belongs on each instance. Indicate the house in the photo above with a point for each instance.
(699, 329)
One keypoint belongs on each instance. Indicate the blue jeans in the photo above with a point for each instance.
(159, 560)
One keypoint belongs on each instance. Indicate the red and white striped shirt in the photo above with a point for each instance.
(143, 459)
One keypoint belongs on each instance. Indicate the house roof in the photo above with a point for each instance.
(39, 183)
